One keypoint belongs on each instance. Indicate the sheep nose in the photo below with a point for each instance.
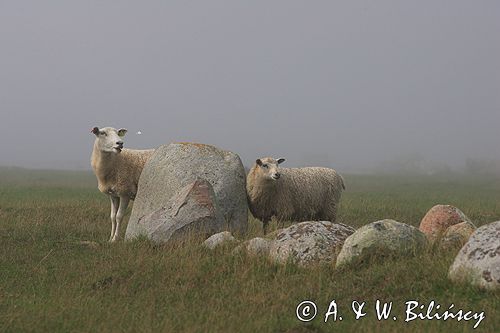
(119, 143)
(277, 175)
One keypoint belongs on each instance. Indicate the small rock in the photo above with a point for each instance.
(439, 218)
(457, 235)
(381, 238)
(219, 239)
(478, 262)
(256, 246)
(308, 242)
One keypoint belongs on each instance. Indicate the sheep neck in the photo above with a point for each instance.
(262, 185)
(103, 164)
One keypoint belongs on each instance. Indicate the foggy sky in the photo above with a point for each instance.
(348, 84)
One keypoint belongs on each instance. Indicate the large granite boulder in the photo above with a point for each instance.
(193, 210)
(308, 242)
(176, 165)
(439, 218)
(478, 262)
(381, 238)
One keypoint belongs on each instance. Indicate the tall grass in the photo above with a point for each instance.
(50, 280)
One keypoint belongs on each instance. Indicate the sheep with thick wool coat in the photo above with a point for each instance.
(117, 171)
(292, 194)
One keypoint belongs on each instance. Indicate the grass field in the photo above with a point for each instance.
(51, 281)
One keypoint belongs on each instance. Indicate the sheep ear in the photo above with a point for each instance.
(281, 160)
(95, 130)
(121, 132)
(258, 161)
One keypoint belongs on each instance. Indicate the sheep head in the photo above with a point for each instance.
(109, 139)
(267, 168)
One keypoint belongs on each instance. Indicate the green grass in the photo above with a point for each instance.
(50, 281)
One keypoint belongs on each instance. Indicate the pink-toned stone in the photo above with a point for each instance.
(439, 218)
(191, 210)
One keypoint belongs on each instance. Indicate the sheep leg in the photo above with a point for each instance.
(115, 202)
(119, 216)
(333, 214)
(265, 224)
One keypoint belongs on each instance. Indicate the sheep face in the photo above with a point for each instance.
(268, 169)
(108, 139)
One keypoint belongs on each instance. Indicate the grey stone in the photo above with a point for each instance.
(385, 237)
(193, 210)
(258, 246)
(457, 235)
(218, 239)
(309, 242)
(478, 262)
(176, 165)
(254, 247)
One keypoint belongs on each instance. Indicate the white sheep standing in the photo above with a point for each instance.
(117, 171)
(292, 194)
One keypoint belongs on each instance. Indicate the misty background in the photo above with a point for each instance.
(355, 85)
